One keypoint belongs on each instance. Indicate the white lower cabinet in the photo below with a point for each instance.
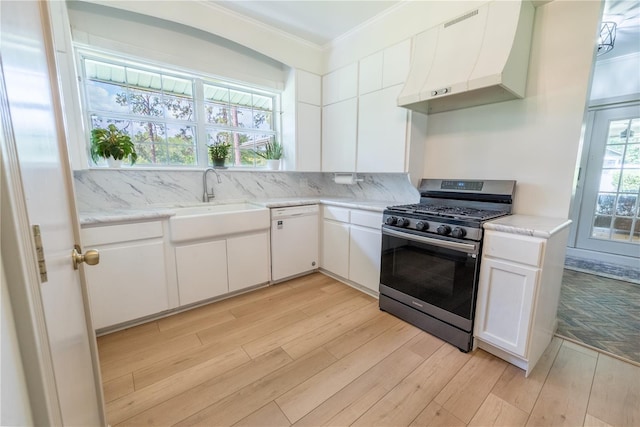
(335, 247)
(130, 281)
(518, 295)
(210, 269)
(505, 303)
(351, 245)
(202, 271)
(364, 256)
(248, 260)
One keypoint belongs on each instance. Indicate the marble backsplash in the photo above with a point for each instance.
(98, 189)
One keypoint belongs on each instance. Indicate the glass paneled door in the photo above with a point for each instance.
(609, 217)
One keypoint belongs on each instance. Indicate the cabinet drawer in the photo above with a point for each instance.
(121, 233)
(336, 213)
(512, 247)
(366, 219)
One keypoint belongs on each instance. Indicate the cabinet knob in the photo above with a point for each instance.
(90, 257)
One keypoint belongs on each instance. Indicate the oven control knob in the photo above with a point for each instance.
(443, 229)
(391, 220)
(459, 233)
(422, 226)
(402, 222)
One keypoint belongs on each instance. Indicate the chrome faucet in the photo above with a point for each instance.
(206, 196)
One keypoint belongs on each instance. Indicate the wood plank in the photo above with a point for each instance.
(221, 339)
(117, 387)
(345, 344)
(295, 298)
(565, 394)
(115, 343)
(331, 299)
(470, 387)
(435, 415)
(330, 331)
(426, 345)
(497, 412)
(267, 416)
(197, 398)
(198, 313)
(282, 336)
(251, 327)
(591, 421)
(250, 398)
(521, 392)
(147, 397)
(345, 406)
(314, 279)
(132, 361)
(407, 400)
(615, 394)
(305, 397)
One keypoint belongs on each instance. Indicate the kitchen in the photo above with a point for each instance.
(506, 141)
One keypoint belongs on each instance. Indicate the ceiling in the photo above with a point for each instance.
(321, 21)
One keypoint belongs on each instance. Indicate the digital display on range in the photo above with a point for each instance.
(462, 185)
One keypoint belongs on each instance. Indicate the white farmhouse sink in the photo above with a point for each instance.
(207, 221)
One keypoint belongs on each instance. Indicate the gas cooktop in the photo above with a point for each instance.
(458, 212)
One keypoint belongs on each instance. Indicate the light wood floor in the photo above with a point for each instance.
(313, 351)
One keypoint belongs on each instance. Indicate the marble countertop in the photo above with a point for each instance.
(528, 225)
(89, 218)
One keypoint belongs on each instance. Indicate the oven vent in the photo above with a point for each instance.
(461, 18)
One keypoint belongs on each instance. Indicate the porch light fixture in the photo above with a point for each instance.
(607, 37)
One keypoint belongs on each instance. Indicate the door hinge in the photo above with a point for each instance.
(42, 265)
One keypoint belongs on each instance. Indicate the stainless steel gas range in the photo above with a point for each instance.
(431, 254)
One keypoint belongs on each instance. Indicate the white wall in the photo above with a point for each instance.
(616, 77)
(172, 43)
(534, 141)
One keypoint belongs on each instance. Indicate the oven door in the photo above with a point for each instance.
(434, 275)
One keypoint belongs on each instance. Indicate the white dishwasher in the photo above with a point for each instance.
(294, 241)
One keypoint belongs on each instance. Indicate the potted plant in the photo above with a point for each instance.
(113, 145)
(273, 152)
(218, 153)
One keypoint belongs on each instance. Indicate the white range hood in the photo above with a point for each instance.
(478, 58)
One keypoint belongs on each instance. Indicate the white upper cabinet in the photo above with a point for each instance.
(382, 132)
(339, 131)
(370, 76)
(309, 88)
(395, 66)
(309, 127)
(340, 85)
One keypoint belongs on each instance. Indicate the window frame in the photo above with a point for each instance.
(200, 123)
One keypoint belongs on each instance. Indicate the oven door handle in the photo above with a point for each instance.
(464, 247)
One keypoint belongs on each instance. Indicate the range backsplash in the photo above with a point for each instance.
(98, 189)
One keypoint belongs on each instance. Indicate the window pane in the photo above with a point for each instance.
(144, 79)
(103, 122)
(182, 155)
(149, 138)
(630, 181)
(621, 228)
(241, 117)
(613, 156)
(217, 113)
(239, 98)
(177, 86)
(609, 180)
(96, 70)
(182, 145)
(626, 205)
(107, 97)
(262, 102)
(145, 103)
(262, 120)
(178, 108)
(216, 94)
(605, 203)
(632, 156)
(617, 132)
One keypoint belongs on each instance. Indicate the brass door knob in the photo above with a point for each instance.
(91, 257)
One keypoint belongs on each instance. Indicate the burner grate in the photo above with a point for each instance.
(449, 211)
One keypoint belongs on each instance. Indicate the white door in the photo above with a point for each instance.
(609, 214)
(36, 168)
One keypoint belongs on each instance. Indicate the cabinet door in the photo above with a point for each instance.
(339, 131)
(335, 248)
(382, 131)
(130, 282)
(364, 257)
(309, 88)
(396, 63)
(202, 271)
(505, 303)
(308, 144)
(370, 75)
(248, 260)
(330, 88)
